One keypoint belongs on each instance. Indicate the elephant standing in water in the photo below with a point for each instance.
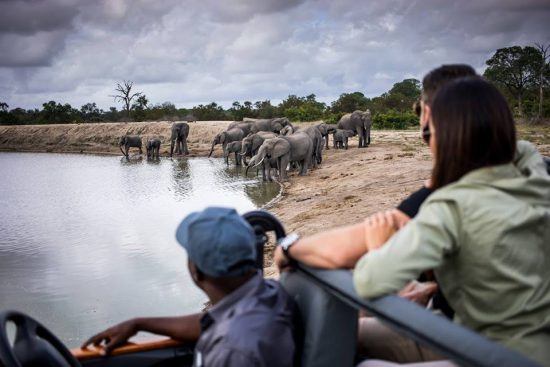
(325, 130)
(180, 132)
(285, 150)
(233, 147)
(252, 143)
(130, 141)
(340, 138)
(153, 148)
(360, 122)
(226, 137)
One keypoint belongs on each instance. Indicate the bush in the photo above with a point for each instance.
(394, 120)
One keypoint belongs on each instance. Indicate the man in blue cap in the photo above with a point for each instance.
(250, 322)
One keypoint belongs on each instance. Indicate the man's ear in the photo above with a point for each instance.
(425, 115)
(195, 272)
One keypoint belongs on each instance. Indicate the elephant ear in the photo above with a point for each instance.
(280, 147)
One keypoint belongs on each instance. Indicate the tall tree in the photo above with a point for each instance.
(544, 71)
(4, 107)
(125, 95)
(516, 69)
(349, 102)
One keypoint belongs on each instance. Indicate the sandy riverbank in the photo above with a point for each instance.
(350, 184)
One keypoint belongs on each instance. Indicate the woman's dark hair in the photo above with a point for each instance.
(474, 128)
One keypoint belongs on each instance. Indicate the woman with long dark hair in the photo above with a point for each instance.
(485, 230)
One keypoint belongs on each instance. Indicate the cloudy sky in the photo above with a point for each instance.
(191, 52)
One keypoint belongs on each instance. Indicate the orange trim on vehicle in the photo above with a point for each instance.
(93, 352)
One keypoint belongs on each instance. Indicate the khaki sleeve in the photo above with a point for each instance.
(421, 245)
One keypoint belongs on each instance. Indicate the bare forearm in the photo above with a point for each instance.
(337, 248)
(184, 328)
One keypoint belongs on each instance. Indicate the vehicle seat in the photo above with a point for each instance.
(328, 325)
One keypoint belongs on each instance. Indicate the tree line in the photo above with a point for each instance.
(521, 73)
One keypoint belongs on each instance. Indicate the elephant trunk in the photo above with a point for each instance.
(123, 153)
(211, 149)
(171, 147)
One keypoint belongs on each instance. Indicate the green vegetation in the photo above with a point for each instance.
(521, 73)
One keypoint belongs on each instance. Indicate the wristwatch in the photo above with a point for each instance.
(288, 241)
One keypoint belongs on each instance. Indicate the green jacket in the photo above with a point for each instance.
(487, 236)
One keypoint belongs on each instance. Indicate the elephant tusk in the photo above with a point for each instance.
(260, 162)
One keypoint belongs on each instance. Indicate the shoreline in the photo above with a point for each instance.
(348, 186)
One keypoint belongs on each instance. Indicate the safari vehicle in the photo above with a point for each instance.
(328, 307)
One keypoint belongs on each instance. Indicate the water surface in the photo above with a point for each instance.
(87, 241)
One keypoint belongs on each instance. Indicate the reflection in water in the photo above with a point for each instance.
(86, 241)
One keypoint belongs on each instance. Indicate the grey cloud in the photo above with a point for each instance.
(190, 53)
(28, 17)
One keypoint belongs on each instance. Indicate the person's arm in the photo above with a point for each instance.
(341, 247)
(184, 328)
(420, 245)
(333, 249)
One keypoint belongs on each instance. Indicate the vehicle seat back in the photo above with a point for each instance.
(328, 325)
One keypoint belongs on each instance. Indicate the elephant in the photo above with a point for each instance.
(340, 138)
(360, 122)
(226, 137)
(130, 141)
(180, 132)
(317, 139)
(153, 148)
(325, 130)
(252, 143)
(245, 126)
(233, 147)
(286, 149)
(274, 125)
(287, 130)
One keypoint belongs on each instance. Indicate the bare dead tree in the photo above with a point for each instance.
(124, 94)
(544, 55)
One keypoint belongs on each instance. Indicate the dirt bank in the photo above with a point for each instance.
(350, 184)
(103, 138)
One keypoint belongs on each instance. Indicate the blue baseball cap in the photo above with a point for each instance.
(219, 242)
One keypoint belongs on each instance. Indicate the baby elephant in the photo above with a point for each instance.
(233, 147)
(153, 148)
(340, 138)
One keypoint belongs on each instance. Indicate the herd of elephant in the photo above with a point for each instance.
(270, 143)
(275, 143)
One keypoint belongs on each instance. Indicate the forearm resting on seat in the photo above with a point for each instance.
(337, 248)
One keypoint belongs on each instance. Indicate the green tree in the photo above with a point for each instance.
(349, 102)
(302, 108)
(211, 111)
(515, 69)
(53, 112)
(139, 108)
(90, 112)
(544, 73)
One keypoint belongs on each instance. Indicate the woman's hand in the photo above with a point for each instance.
(379, 228)
(419, 292)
